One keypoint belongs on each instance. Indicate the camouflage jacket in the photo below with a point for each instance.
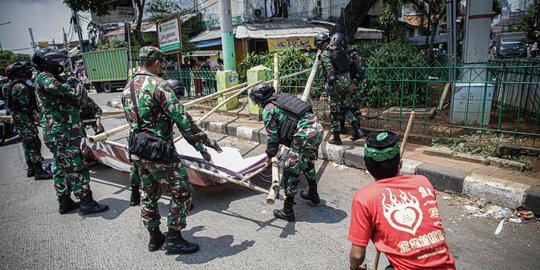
(359, 67)
(343, 79)
(22, 96)
(90, 109)
(273, 117)
(59, 108)
(159, 110)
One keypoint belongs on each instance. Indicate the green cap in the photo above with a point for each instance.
(151, 53)
(381, 146)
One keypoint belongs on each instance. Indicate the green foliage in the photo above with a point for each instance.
(113, 44)
(8, 57)
(290, 60)
(161, 9)
(96, 6)
(530, 21)
(483, 144)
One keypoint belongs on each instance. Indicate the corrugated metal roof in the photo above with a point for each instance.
(209, 35)
(279, 29)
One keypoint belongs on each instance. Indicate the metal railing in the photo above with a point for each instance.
(499, 96)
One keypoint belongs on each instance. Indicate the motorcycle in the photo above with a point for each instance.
(7, 130)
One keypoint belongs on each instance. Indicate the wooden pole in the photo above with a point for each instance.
(402, 151)
(5, 118)
(274, 188)
(116, 112)
(215, 95)
(103, 136)
(305, 94)
(406, 135)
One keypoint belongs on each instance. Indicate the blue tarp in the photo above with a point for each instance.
(421, 40)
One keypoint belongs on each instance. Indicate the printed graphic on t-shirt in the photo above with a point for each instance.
(403, 214)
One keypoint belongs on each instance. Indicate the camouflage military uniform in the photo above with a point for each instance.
(23, 115)
(339, 92)
(90, 110)
(159, 110)
(303, 149)
(62, 134)
(357, 81)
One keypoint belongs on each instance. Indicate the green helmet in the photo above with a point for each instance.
(151, 53)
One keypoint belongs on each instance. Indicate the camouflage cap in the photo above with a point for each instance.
(151, 52)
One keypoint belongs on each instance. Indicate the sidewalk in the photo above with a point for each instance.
(496, 185)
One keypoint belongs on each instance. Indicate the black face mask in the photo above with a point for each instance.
(57, 69)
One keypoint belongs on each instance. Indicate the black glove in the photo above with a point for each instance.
(212, 144)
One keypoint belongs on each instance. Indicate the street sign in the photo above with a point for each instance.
(118, 14)
(169, 35)
(43, 44)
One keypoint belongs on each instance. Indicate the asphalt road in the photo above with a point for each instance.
(234, 226)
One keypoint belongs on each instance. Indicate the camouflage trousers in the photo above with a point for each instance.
(27, 130)
(355, 103)
(70, 174)
(154, 178)
(134, 178)
(301, 158)
(340, 103)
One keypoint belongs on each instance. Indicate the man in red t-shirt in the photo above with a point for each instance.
(398, 213)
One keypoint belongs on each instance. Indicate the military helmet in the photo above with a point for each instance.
(151, 53)
(22, 70)
(320, 40)
(177, 87)
(8, 72)
(261, 93)
(338, 39)
(49, 60)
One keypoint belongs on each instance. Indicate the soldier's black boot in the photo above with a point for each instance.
(176, 244)
(66, 204)
(157, 238)
(287, 212)
(135, 198)
(357, 132)
(342, 127)
(31, 170)
(41, 174)
(89, 206)
(311, 195)
(336, 139)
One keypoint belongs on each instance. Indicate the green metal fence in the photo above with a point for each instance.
(499, 96)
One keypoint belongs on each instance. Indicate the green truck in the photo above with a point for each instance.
(107, 70)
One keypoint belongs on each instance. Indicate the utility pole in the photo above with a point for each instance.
(66, 46)
(77, 28)
(452, 37)
(33, 43)
(227, 36)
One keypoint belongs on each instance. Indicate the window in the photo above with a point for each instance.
(277, 8)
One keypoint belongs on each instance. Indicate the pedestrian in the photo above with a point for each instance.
(398, 213)
(291, 122)
(197, 77)
(22, 104)
(151, 114)
(336, 66)
(62, 134)
(220, 64)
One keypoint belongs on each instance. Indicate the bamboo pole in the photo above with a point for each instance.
(5, 118)
(103, 136)
(305, 94)
(274, 188)
(215, 95)
(225, 102)
(117, 112)
(102, 118)
(251, 175)
(276, 73)
(376, 263)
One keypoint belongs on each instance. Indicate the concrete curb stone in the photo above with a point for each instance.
(497, 191)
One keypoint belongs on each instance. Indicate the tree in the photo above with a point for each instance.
(99, 8)
(389, 18)
(161, 9)
(8, 57)
(531, 21)
(351, 17)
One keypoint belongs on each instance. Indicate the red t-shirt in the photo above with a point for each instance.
(401, 217)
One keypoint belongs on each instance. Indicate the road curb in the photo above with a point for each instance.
(497, 191)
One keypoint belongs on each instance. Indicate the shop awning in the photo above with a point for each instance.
(208, 43)
(279, 29)
(202, 53)
(211, 34)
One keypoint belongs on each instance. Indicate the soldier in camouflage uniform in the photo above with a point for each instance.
(158, 110)
(62, 134)
(291, 122)
(135, 198)
(23, 107)
(336, 66)
(90, 111)
(358, 74)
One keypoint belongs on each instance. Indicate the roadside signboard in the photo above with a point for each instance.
(170, 35)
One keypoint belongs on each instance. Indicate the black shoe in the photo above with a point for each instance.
(311, 195)
(157, 238)
(31, 171)
(336, 140)
(357, 132)
(42, 174)
(287, 212)
(89, 206)
(342, 128)
(135, 198)
(176, 244)
(66, 204)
